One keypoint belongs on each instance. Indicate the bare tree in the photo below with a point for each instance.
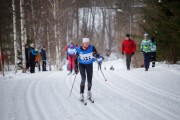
(14, 35)
(23, 35)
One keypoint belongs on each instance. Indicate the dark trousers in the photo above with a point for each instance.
(146, 60)
(27, 64)
(153, 58)
(32, 66)
(44, 66)
(86, 69)
(128, 61)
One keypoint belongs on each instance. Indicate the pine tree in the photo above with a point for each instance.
(162, 20)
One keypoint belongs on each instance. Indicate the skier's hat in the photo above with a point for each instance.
(86, 40)
(71, 42)
(145, 35)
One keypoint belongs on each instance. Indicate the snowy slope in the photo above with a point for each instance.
(127, 95)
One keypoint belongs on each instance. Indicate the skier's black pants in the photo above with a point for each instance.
(146, 59)
(153, 58)
(128, 60)
(86, 69)
(32, 66)
(44, 66)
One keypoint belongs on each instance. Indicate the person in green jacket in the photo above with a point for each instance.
(153, 51)
(146, 50)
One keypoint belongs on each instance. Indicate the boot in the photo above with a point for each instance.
(81, 96)
(69, 72)
(89, 95)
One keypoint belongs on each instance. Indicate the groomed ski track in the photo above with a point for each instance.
(126, 95)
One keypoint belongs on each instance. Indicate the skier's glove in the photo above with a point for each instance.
(99, 59)
(122, 53)
(133, 53)
(76, 70)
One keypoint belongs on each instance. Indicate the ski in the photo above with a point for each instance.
(84, 102)
(91, 100)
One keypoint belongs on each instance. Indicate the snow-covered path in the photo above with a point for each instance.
(127, 95)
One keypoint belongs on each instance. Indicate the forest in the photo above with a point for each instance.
(53, 23)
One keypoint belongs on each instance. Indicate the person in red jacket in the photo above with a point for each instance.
(128, 48)
(71, 55)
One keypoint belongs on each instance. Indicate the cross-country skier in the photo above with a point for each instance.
(71, 54)
(86, 54)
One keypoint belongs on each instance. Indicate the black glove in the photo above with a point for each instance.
(122, 53)
(76, 70)
(133, 53)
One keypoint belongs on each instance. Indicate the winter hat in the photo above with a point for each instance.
(127, 35)
(152, 39)
(145, 35)
(86, 40)
(71, 42)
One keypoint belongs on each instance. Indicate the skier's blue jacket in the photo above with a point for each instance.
(85, 56)
(71, 50)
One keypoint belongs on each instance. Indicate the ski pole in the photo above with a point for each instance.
(72, 85)
(102, 72)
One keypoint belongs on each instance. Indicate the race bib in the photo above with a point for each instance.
(86, 57)
(153, 47)
(71, 51)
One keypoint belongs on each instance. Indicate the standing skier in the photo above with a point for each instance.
(71, 54)
(86, 56)
(129, 48)
(146, 50)
(153, 51)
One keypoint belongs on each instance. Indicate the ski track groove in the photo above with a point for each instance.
(145, 104)
(55, 92)
(147, 86)
(59, 99)
(169, 70)
(95, 107)
(30, 103)
(34, 102)
(76, 94)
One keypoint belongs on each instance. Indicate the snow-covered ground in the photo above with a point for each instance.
(127, 95)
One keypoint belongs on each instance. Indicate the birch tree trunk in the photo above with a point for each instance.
(22, 36)
(48, 46)
(14, 36)
(1, 62)
(34, 27)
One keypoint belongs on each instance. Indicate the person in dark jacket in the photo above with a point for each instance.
(86, 54)
(153, 51)
(31, 58)
(43, 56)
